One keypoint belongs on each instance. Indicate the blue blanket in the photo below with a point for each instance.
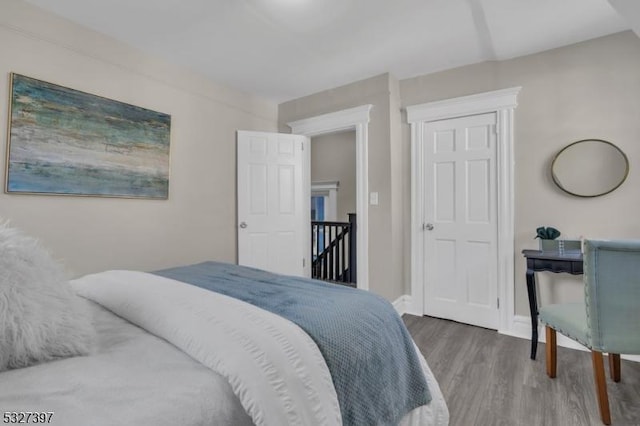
(371, 357)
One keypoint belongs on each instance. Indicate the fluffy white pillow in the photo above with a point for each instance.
(41, 318)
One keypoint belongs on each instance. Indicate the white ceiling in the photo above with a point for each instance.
(285, 49)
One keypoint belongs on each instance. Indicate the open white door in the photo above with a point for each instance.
(273, 202)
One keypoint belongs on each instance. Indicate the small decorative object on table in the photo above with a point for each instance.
(549, 243)
(548, 235)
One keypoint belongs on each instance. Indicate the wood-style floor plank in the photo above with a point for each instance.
(488, 379)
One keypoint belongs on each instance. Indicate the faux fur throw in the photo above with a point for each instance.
(41, 317)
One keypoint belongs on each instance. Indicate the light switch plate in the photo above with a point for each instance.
(373, 198)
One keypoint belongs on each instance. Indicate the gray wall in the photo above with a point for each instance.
(587, 90)
(92, 234)
(385, 272)
(333, 158)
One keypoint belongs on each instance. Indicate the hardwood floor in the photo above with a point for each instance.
(488, 379)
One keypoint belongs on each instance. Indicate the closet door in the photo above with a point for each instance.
(460, 220)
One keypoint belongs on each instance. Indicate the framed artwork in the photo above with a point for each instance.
(63, 141)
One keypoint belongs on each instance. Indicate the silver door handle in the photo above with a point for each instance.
(428, 226)
(243, 225)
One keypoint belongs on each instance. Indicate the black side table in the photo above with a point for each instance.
(569, 262)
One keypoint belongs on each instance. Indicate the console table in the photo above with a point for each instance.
(569, 262)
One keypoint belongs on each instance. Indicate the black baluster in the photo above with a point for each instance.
(342, 255)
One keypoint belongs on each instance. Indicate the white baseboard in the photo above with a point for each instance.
(404, 305)
(401, 304)
(521, 327)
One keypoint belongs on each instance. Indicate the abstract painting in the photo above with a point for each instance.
(66, 142)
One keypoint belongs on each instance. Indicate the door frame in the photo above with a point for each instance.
(502, 103)
(357, 119)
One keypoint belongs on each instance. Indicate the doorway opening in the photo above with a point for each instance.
(356, 119)
(333, 207)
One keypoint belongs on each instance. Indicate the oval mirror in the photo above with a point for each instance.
(589, 168)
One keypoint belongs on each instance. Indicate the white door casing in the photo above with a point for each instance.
(460, 263)
(502, 103)
(357, 119)
(273, 213)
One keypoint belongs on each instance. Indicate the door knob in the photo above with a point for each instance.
(243, 225)
(428, 226)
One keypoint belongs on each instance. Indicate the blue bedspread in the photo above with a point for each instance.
(371, 357)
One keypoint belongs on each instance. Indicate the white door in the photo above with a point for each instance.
(460, 223)
(273, 205)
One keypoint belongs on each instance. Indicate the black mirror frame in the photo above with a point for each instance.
(559, 185)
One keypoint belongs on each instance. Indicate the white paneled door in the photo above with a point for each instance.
(460, 223)
(273, 209)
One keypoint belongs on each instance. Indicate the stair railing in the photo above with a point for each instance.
(333, 248)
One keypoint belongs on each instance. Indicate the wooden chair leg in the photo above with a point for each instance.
(601, 386)
(614, 367)
(552, 352)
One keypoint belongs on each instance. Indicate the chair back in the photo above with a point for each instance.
(612, 291)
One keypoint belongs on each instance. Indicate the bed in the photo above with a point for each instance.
(188, 346)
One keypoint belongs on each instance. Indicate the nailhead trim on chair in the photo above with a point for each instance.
(587, 272)
(561, 331)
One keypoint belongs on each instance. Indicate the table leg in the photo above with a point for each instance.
(533, 307)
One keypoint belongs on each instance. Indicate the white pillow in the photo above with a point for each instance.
(41, 318)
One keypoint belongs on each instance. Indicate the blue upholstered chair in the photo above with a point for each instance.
(609, 320)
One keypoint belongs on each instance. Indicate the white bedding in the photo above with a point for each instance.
(136, 377)
(274, 367)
